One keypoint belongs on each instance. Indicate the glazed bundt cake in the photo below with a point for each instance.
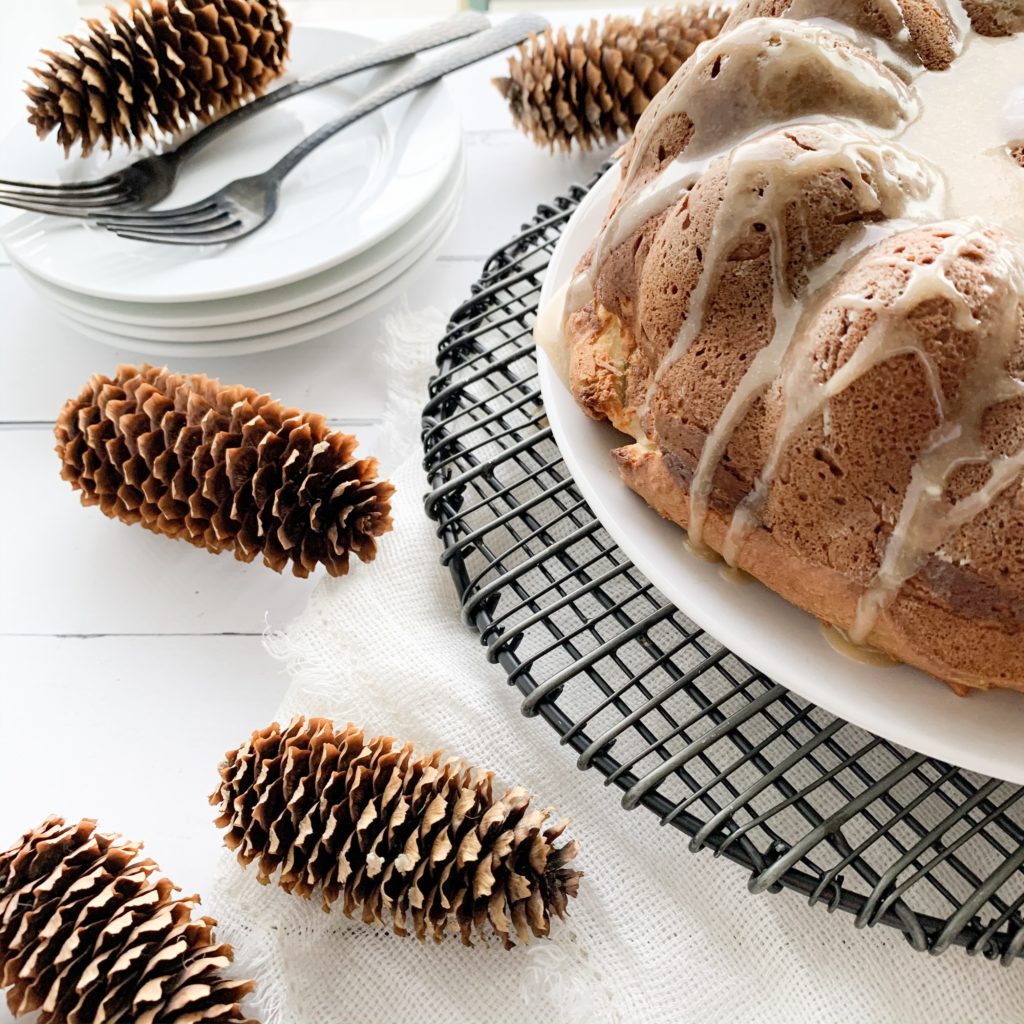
(806, 305)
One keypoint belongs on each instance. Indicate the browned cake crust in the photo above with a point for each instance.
(931, 35)
(820, 534)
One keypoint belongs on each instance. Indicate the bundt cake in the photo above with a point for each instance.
(806, 305)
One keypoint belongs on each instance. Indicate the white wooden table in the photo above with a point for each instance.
(130, 663)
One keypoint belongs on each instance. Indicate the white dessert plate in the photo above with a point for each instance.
(272, 302)
(416, 261)
(418, 236)
(292, 328)
(982, 732)
(349, 194)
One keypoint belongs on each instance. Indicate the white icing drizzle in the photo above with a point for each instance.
(547, 331)
(927, 519)
(883, 181)
(968, 131)
(759, 65)
(956, 15)
(803, 397)
(891, 12)
(840, 641)
(841, 15)
(936, 122)
(1013, 116)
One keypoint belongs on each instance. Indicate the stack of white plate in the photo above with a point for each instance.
(356, 219)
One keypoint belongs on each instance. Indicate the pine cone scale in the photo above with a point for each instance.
(224, 468)
(591, 87)
(88, 935)
(156, 68)
(401, 839)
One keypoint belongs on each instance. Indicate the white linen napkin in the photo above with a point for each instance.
(656, 935)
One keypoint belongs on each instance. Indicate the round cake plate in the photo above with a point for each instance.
(349, 194)
(981, 732)
(396, 257)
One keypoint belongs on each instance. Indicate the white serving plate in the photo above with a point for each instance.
(983, 732)
(349, 194)
(416, 261)
(261, 305)
(416, 238)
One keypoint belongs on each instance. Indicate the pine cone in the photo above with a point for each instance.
(594, 88)
(224, 468)
(87, 935)
(154, 68)
(415, 840)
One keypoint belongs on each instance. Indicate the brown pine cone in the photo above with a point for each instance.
(224, 468)
(156, 67)
(593, 88)
(415, 841)
(88, 935)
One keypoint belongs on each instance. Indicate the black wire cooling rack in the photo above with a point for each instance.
(737, 763)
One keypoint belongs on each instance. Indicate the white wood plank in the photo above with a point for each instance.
(43, 362)
(130, 728)
(130, 731)
(507, 177)
(71, 570)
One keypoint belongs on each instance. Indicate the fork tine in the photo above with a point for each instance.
(95, 203)
(37, 206)
(59, 196)
(217, 220)
(152, 218)
(66, 188)
(157, 227)
(177, 238)
(115, 222)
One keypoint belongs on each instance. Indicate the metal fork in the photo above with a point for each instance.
(146, 182)
(245, 205)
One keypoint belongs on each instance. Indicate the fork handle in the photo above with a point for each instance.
(451, 29)
(481, 45)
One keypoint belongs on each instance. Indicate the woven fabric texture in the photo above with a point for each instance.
(656, 935)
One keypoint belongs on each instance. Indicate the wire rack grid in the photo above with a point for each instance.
(804, 801)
